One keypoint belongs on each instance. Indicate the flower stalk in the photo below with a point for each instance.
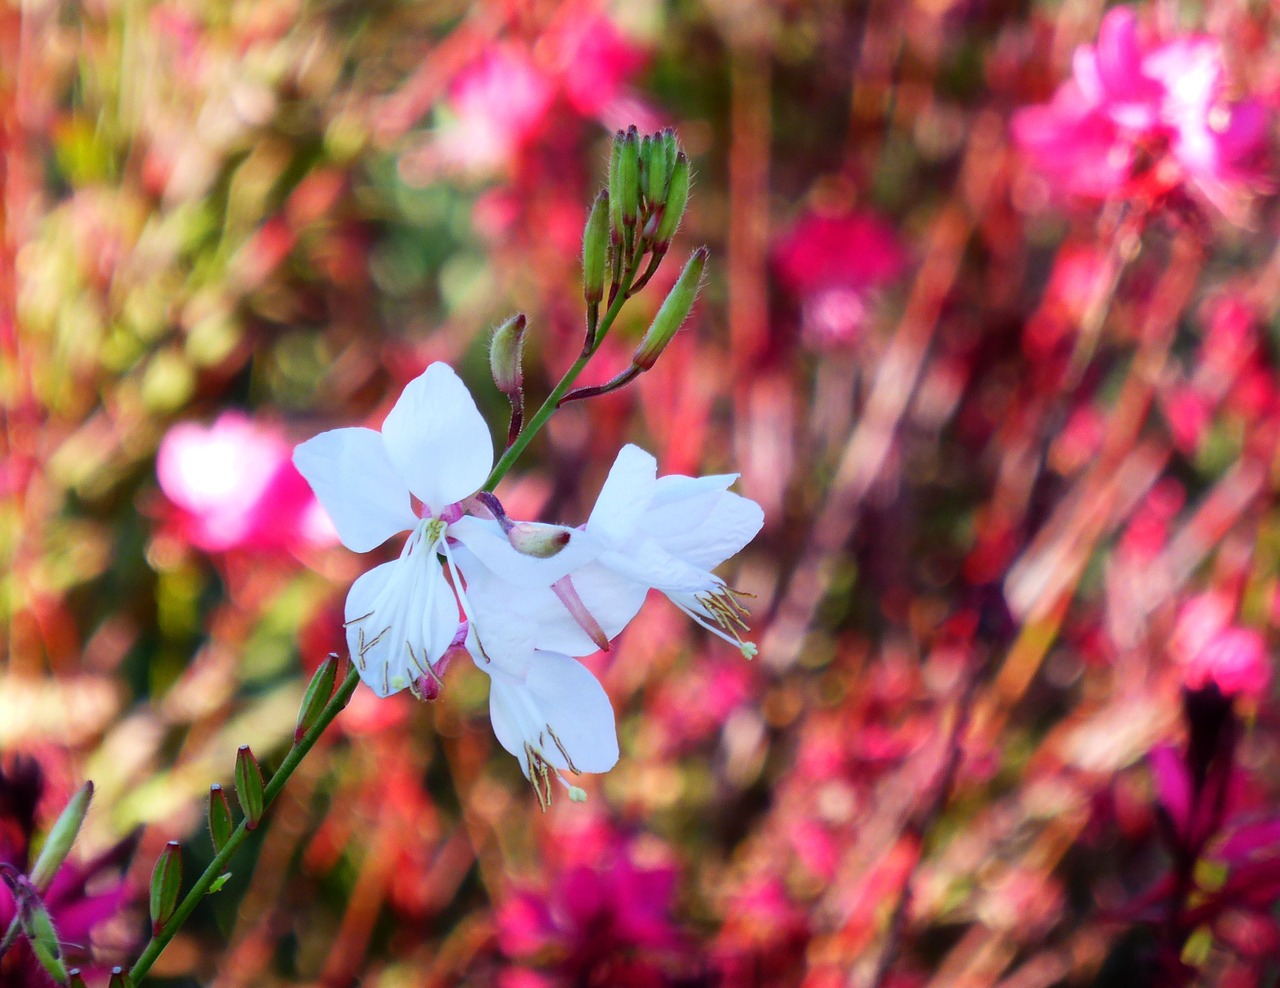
(216, 867)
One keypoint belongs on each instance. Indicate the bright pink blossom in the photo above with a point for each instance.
(495, 106)
(1210, 649)
(235, 487)
(591, 59)
(831, 263)
(602, 922)
(1142, 117)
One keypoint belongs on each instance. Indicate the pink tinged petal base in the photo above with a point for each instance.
(567, 595)
(437, 438)
(557, 718)
(357, 486)
(516, 620)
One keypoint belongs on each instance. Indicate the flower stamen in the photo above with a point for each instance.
(560, 744)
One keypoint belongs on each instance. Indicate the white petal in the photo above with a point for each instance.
(437, 438)
(677, 487)
(400, 616)
(354, 481)
(514, 620)
(627, 492)
(714, 527)
(490, 547)
(560, 697)
(644, 561)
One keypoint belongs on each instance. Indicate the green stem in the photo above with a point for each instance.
(216, 867)
(10, 935)
(339, 700)
(549, 406)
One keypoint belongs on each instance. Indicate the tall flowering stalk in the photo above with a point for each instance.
(524, 599)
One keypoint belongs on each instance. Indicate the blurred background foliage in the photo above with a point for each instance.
(1000, 438)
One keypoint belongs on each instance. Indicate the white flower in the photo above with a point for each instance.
(669, 532)
(646, 531)
(554, 716)
(434, 447)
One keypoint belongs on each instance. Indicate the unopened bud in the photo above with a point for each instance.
(119, 979)
(677, 199)
(317, 696)
(166, 883)
(220, 826)
(44, 942)
(629, 177)
(595, 249)
(670, 146)
(672, 313)
(535, 539)
(646, 149)
(75, 979)
(62, 835)
(615, 185)
(36, 925)
(249, 786)
(658, 173)
(506, 356)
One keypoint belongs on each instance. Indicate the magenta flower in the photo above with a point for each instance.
(831, 264)
(495, 106)
(606, 921)
(235, 487)
(1139, 118)
(1211, 650)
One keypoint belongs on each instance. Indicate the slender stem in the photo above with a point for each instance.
(548, 407)
(216, 867)
(339, 700)
(10, 935)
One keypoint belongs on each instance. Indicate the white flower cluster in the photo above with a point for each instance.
(522, 598)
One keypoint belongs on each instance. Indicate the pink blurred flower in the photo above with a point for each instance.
(606, 922)
(592, 60)
(495, 105)
(499, 103)
(1211, 650)
(832, 263)
(235, 487)
(1138, 117)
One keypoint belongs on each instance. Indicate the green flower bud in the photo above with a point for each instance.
(37, 927)
(615, 185)
(249, 786)
(658, 174)
(43, 938)
(677, 199)
(672, 313)
(119, 979)
(646, 149)
(318, 692)
(506, 356)
(629, 177)
(166, 883)
(63, 834)
(220, 825)
(75, 979)
(595, 249)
